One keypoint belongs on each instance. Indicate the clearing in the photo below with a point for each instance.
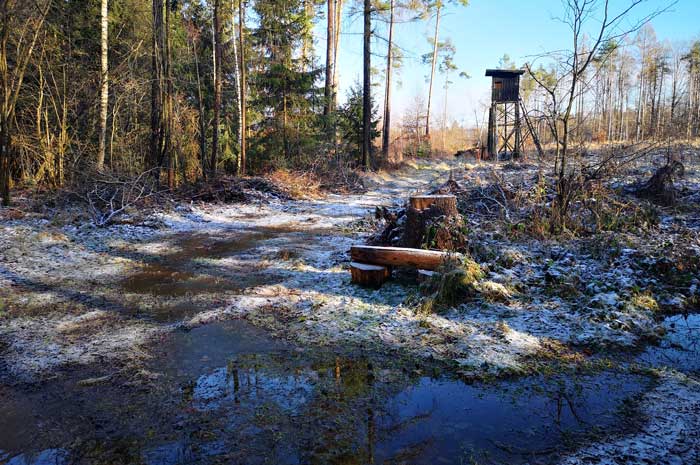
(231, 334)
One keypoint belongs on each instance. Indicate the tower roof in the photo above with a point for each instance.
(504, 73)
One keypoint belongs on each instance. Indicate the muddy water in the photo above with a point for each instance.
(228, 393)
(201, 270)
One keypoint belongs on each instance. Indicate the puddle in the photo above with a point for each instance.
(680, 347)
(203, 269)
(162, 280)
(228, 393)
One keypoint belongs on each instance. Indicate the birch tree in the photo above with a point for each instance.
(104, 79)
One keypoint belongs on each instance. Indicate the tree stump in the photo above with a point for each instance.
(368, 275)
(444, 203)
(433, 221)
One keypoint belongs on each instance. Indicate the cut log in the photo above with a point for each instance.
(446, 203)
(399, 256)
(368, 275)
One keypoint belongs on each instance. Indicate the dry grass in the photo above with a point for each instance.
(297, 184)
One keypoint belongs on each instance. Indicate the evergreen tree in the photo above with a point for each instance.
(285, 84)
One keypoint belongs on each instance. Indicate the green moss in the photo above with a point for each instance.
(451, 285)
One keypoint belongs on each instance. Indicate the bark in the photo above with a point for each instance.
(336, 44)
(168, 152)
(399, 256)
(237, 75)
(242, 85)
(386, 130)
(217, 88)
(200, 109)
(330, 54)
(368, 275)
(367, 87)
(432, 67)
(611, 106)
(156, 81)
(11, 83)
(104, 88)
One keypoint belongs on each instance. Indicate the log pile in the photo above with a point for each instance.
(371, 266)
(428, 221)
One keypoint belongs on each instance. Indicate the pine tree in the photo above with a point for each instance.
(285, 87)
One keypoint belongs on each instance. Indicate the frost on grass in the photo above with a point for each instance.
(39, 345)
(669, 435)
(531, 290)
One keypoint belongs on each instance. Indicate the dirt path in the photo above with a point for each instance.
(73, 294)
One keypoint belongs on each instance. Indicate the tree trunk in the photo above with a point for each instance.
(400, 256)
(5, 146)
(432, 67)
(217, 88)
(611, 106)
(242, 85)
(168, 152)
(336, 44)
(237, 75)
(200, 108)
(156, 81)
(330, 55)
(104, 79)
(12, 79)
(367, 88)
(386, 131)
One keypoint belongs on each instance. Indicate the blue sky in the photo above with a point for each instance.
(482, 32)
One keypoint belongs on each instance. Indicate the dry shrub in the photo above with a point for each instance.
(297, 184)
(232, 189)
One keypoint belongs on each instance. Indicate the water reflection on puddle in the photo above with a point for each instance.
(231, 394)
(291, 406)
(680, 348)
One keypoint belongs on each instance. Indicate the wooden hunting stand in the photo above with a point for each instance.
(504, 136)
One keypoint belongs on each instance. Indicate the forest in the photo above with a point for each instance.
(188, 89)
(349, 232)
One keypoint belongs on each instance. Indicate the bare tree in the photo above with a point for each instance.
(242, 87)
(564, 90)
(437, 6)
(367, 86)
(336, 44)
(386, 131)
(217, 87)
(330, 56)
(19, 31)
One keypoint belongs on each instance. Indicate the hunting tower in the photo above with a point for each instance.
(504, 114)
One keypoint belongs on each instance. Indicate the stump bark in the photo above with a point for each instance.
(433, 220)
(369, 275)
(444, 203)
